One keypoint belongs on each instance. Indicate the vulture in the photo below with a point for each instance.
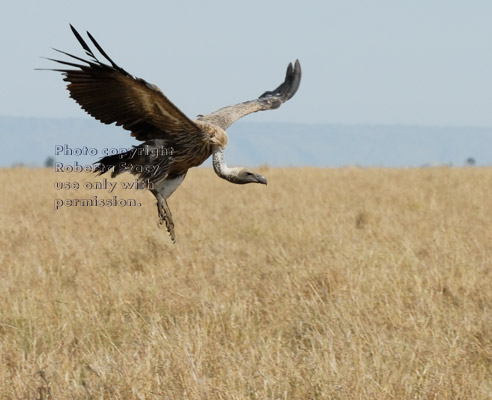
(172, 143)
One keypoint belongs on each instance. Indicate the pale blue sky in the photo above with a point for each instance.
(426, 62)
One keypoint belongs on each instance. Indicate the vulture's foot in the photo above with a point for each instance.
(165, 216)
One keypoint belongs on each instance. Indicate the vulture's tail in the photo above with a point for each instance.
(116, 163)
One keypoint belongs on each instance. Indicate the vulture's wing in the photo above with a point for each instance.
(110, 94)
(226, 116)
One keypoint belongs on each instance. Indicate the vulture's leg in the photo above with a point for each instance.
(165, 215)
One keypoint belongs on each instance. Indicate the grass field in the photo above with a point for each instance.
(326, 284)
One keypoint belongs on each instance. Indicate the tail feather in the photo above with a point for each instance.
(112, 163)
(144, 160)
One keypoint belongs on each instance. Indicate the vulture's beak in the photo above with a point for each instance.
(261, 179)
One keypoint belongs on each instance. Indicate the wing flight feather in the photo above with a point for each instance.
(112, 95)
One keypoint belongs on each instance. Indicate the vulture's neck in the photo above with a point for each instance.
(220, 167)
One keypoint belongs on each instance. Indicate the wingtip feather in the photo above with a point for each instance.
(83, 43)
(289, 86)
(102, 51)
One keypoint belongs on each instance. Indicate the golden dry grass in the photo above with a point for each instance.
(326, 284)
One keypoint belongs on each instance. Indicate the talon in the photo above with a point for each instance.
(165, 216)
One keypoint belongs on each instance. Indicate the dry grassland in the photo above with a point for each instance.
(326, 284)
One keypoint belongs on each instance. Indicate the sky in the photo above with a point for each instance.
(419, 62)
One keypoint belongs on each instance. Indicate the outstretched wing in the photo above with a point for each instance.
(110, 94)
(226, 116)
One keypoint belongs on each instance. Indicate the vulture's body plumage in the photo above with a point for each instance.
(172, 142)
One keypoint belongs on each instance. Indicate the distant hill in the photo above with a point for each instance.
(31, 140)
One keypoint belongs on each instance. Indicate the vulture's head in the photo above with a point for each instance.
(244, 175)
